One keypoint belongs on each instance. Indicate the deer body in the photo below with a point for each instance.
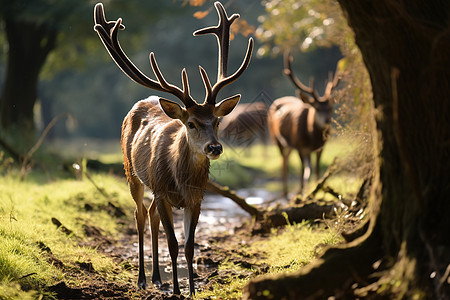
(160, 153)
(157, 152)
(244, 123)
(294, 124)
(301, 123)
(167, 147)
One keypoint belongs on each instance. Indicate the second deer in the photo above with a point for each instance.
(167, 147)
(301, 123)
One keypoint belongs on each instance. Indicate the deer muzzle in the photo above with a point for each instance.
(213, 151)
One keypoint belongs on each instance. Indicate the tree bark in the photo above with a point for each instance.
(405, 46)
(29, 44)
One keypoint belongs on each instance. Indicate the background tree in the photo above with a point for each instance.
(34, 30)
(406, 251)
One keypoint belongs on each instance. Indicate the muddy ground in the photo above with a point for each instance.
(214, 243)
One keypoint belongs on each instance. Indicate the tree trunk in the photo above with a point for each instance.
(29, 45)
(406, 251)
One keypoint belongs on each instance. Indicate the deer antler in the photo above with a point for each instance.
(222, 32)
(108, 32)
(331, 84)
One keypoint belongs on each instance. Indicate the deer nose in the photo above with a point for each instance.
(213, 150)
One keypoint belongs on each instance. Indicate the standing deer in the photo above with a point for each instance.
(245, 123)
(301, 124)
(167, 147)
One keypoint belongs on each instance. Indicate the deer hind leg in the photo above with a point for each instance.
(154, 220)
(165, 213)
(190, 223)
(285, 152)
(137, 192)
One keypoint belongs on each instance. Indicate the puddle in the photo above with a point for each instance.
(219, 214)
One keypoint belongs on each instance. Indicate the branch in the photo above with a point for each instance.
(226, 192)
(29, 154)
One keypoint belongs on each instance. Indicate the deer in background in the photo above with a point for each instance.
(245, 123)
(167, 147)
(301, 123)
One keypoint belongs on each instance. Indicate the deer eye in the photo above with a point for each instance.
(191, 125)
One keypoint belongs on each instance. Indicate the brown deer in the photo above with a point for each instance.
(167, 147)
(301, 123)
(245, 123)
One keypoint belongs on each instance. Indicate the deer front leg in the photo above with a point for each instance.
(165, 213)
(154, 228)
(190, 223)
(137, 192)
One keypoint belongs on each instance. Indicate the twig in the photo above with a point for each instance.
(101, 190)
(320, 185)
(29, 154)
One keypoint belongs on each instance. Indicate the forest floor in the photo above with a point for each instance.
(211, 251)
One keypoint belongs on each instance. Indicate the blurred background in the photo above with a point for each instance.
(52, 61)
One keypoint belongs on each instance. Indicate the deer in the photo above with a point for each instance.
(301, 123)
(245, 123)
(167, 147)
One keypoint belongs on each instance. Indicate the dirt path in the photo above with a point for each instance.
(124, 249)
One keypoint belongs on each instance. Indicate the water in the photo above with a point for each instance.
(219, 214)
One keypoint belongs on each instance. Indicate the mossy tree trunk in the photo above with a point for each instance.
(406, 251)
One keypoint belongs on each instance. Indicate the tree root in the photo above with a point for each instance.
(337, 273)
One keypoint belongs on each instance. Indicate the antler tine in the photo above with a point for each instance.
(225, 81)
(331, 84)
(184, 95)
(206, 82)
(301, 86)
(108, 33)
(222, 33)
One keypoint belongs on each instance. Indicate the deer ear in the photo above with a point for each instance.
(224, 107)
(172, 109)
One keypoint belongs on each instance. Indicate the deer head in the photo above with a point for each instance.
(308, 94)
(200, 120)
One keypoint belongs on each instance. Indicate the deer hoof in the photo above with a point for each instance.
(142, 284)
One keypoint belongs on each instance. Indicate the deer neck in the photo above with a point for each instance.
(190, 170)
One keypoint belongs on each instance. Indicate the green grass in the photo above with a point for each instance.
(238, 167)
(30, 242)
(284, 250)
(289, 249)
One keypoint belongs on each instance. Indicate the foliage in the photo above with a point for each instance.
(73, 20)
(295, 24)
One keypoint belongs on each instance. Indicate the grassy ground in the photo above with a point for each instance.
(239, 167)
(46, 220)
(283, 250)
(33, 248)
